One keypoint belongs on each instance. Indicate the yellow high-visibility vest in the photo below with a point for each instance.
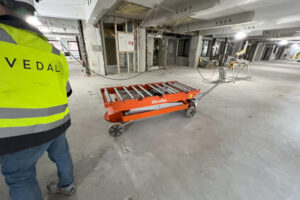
(33, 81)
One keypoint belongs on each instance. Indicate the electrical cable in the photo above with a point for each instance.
(207, 80)
(207, 92)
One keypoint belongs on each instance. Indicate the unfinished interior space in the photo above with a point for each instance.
(178, 99)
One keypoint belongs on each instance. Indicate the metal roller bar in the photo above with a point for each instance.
(187, 87)
(119, 95)
(170, 88)
(173, 89)
(176, 84)
(163, 89)
(146, 91)
(137, 91)
(108, 98)
(157, 90)
(127, 91)
(179, 87)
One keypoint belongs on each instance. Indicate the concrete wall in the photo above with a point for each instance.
(172, 51)
(182, 61)
(94, 48)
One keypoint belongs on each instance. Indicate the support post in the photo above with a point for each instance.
(134, 52)
(127, 54)
(142, 49)
(138, 46)
(195, 50)
(117, 45)
(103, 45)
(83, 50)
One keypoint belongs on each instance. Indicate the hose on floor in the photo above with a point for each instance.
(208, 80)
(198, 99)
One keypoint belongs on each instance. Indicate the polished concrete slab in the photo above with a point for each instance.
(244, 143)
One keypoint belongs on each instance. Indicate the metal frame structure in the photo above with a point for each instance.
(242, 64)
(129, 103)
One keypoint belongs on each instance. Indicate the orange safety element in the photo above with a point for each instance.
(140, 96)
(231, 66)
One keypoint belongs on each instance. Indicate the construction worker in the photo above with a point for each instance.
(34, 113)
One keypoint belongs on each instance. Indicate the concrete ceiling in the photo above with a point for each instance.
(61, 26)
(230, 7)
(205, 10)
(68, 9)
(207, 16)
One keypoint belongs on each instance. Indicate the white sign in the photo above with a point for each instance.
(126, 42)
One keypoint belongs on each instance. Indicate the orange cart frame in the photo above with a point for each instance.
(135, 102)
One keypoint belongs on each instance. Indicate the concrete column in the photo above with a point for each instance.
(82, 48)
(273, 55)
(195, 50)
(259, 51)
(237, 47)
(142, 49)
(164, 52)
(94, 48)
(150, 49)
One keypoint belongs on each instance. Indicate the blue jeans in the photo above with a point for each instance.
(20, 172)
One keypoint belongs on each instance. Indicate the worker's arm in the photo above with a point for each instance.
(69, 89)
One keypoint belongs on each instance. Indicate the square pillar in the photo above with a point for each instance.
(93, 43)
(141, 50)
(195, 50)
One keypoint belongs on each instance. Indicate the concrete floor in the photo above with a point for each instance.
(244, 144)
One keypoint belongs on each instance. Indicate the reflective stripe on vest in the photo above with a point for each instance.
(33, 77)
(55, 51)
(17, 131)
(14, 113)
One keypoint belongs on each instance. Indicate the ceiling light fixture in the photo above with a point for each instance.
(240, 35)
(44, 29)
(283, 42)
(295, 46)
(33, 20)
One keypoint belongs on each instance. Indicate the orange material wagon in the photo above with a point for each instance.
(130, 103)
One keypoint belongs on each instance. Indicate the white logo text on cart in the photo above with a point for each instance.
(159, 101)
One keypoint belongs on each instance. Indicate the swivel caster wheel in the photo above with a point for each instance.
(116, 129)
(191, 112)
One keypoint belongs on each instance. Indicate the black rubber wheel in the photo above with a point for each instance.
(193, 103)
(116, 129)
(191, 112)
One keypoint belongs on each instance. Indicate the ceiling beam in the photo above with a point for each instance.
(252, 27)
